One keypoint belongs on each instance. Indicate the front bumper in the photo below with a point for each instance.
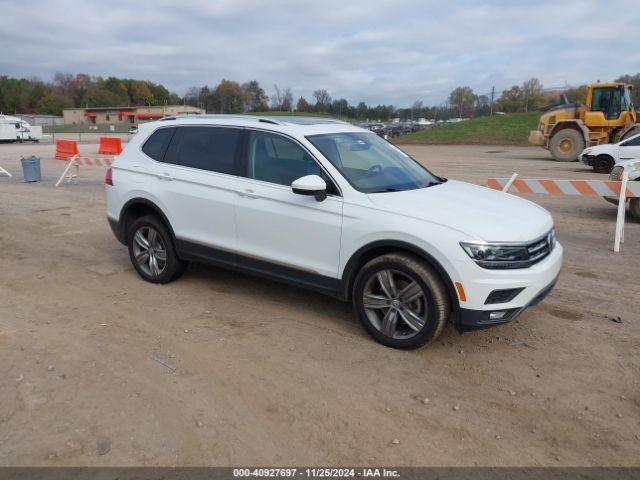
(477, 319)
(587, 160)
(535, 283)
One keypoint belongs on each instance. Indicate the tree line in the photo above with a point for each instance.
(20, 95)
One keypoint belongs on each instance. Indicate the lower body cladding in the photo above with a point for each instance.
(500, 296)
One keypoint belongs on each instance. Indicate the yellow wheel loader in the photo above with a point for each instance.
(608, 117)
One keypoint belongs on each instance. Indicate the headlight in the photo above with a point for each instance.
(616, 173)
(507, 255)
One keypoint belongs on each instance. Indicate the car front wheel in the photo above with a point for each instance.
(401, 301)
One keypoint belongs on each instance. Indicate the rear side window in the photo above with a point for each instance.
(205, 148)
(157, 143)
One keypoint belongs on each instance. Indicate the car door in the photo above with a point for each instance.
(293, 235)
(630, 149)
(196, 179)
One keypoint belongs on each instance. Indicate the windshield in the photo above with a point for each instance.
(371, 164)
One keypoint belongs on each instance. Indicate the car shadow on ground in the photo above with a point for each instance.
(271, 291)
(338, 315)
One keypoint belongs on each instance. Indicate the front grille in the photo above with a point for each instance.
(541, 248)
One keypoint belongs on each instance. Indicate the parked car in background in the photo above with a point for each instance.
(633, 167)
(603, 157)
(393, 129)
(377, 128)
(332, 207)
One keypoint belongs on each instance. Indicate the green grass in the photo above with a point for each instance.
(510, 129)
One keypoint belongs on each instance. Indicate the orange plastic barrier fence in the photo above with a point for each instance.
(110, 146)
(65, 149)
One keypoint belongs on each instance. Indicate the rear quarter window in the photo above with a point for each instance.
(156, 144)
(205, 148)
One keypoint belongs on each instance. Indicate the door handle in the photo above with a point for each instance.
(165, 176)
(248, 193)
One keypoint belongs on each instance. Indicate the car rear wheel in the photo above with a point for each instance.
(566, 145)
(401, 301)
(603, 164)
(152, 252)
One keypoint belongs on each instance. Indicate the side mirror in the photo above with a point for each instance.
(311, 185)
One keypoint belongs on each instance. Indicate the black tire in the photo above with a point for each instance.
(634, 131)
(634, 208)
(566, 145)
(432, 307)
(172, 266)
(603, 164)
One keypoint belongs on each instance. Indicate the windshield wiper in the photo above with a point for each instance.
(390, 189)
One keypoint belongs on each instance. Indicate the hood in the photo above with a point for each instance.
(608, 148)
(480, 212)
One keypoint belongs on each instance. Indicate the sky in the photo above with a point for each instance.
(377, 51)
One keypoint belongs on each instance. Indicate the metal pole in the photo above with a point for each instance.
(493, 92)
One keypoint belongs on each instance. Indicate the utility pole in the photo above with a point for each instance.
(493, 93)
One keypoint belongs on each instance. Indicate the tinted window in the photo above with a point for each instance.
(206, 148)
(276, 159)
(157, 143)
(634, 142)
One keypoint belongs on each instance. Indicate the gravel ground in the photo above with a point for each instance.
(262, 373)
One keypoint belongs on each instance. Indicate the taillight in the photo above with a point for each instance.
(108, 178)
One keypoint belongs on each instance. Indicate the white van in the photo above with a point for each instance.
(22, 131)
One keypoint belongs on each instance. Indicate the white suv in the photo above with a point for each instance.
(333, 207)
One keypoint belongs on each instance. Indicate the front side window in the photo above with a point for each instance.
(276, 159)
(371, 164)
(205, 148)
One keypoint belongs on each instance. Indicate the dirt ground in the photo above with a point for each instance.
(265, 374)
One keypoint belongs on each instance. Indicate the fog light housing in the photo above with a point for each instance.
(503, 296)
(499, 316)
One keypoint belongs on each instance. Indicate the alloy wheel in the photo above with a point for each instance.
(149, 251)
(395, 304)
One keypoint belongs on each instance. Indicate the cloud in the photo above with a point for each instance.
(375, 51)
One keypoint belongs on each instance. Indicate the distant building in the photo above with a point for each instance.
(124, 115)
